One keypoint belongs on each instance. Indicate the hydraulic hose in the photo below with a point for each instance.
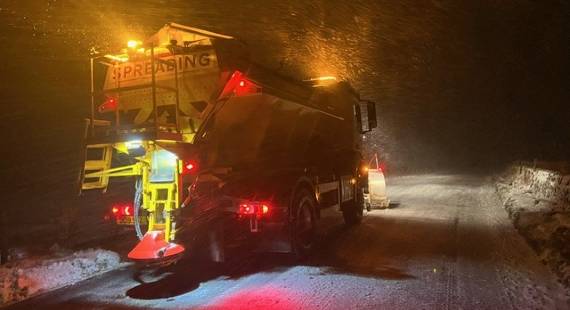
(137, 206)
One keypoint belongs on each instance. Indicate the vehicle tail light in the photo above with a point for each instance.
(246, 209)
(264, 209)
(129, 210)
(382, 167)
(109, 105)
(189, 167)
(121, 210)
(258, 209)
(239, 85)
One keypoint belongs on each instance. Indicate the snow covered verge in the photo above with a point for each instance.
(538, 201)
(29, 276)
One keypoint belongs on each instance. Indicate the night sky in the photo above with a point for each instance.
(461, 85)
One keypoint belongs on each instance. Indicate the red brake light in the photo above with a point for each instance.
(246, 209)
(109, 105)
(239, 85)
(189, 167)
(120, 210)
(254, 208)
(382, 167)
(128, 210)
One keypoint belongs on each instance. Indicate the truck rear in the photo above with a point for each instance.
(223, 152)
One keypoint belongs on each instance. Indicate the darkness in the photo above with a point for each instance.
(461, 85)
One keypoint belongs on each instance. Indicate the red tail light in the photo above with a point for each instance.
(121, 210)
(246, 209)
(109, 105)
(129, 210)
(239, 85)
(254, 208)
(189, 166)
(382, 167)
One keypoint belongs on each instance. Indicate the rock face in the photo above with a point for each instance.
(537, 198)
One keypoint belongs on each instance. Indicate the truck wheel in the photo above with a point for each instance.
(354, 211)
(303, 224)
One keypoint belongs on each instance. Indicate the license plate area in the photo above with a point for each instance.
(130, 220)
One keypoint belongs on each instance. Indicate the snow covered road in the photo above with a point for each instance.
(448, 245)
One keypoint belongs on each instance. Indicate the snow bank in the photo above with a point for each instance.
(538, 202)
(30, 276)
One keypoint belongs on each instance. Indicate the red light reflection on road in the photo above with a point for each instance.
(264, 297)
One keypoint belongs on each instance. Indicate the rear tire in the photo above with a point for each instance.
(354, 211)
(303, 223)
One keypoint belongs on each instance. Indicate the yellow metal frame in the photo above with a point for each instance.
(154, 200)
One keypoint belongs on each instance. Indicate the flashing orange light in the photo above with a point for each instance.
(264, 209)
(322, 81)
(324, 78)
(115, 210)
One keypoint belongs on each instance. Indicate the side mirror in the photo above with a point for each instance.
(366, 116)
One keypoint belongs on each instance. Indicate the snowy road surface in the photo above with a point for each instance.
(448, 245)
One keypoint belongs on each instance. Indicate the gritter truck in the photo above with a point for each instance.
(223, 152)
